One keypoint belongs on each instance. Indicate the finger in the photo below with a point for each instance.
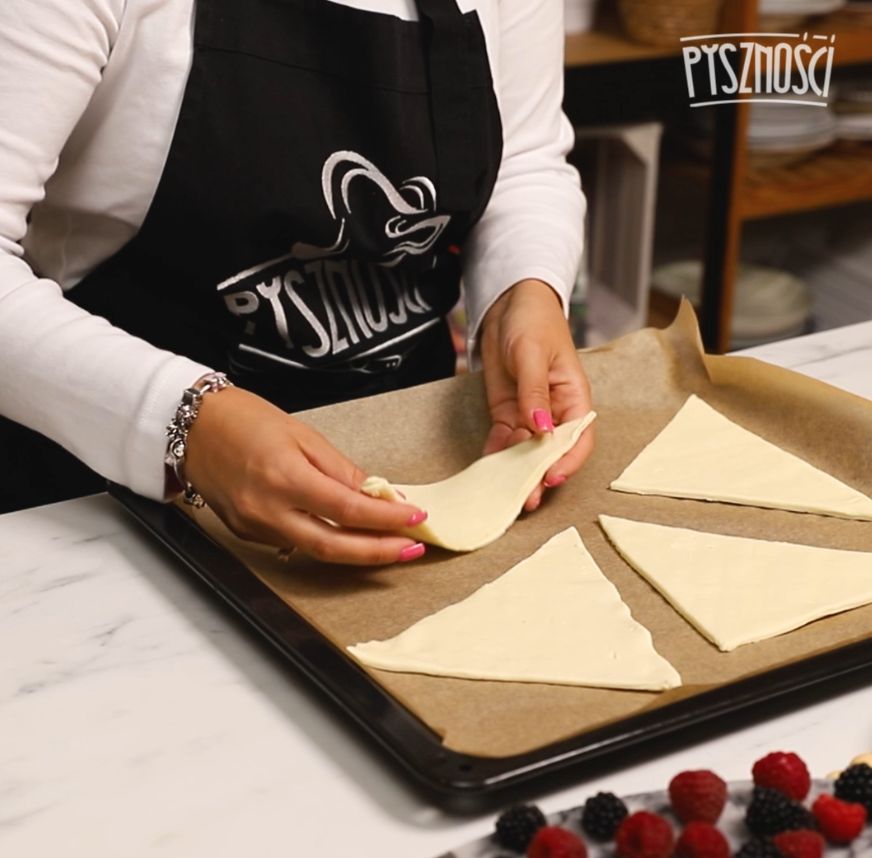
(336, 545)
(498, 438)
(502, 436)
(535, 499)
(572, 399)
(520, 434)
(330, 461)
(499, 385)
(562, 469)
(570, 391)
(534, 389)
(572, 460)
(330, 499)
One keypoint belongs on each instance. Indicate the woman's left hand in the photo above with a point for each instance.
(533, 377)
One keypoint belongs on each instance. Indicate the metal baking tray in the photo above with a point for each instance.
(460, 782)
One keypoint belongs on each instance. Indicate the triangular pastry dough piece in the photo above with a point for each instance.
(736, 590)
(702, 455)
(553, 618)
(479, 504)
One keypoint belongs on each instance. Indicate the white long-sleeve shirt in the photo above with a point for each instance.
(90, 92)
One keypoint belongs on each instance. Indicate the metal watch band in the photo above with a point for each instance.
(180, 425)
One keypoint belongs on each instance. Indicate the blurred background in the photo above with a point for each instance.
(760, 213)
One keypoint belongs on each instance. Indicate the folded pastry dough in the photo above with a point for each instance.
(552, 618)
(479, 504)
(702, 455)
(736, 590)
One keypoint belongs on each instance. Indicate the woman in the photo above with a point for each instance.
(285, 191)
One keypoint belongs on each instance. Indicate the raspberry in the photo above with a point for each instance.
(771, 812)
(602, 815)
(783, 771)
(702, 840)
(839, 821)
(554, 842)
(759, 847)
(516, 827)
(697, 796)
(644, 835)
(855, 784)
(799, 844)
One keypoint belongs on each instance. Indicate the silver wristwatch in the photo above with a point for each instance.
(179, 426)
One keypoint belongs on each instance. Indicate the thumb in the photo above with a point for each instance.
(534, 391)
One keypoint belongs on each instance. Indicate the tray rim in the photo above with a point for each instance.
(454, 780)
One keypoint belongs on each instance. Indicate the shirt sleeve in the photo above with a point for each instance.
(533, 225)
(104, 395)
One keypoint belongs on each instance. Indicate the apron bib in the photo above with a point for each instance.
(327, 165)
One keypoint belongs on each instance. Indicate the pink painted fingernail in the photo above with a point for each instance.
(542, 420)
(551, 482)
(412, 552)
(416, 518)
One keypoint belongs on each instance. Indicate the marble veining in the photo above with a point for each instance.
(842, 358)
(138, 719)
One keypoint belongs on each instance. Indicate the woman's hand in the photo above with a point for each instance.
(273, 479)
(532, 376)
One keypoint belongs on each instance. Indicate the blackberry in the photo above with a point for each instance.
(602, 815)
(855, 784)
(759, 847)
(771, 812)
(517, 825)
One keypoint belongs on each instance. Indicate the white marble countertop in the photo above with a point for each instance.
(137, 719)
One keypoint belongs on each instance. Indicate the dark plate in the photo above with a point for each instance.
(460, 782)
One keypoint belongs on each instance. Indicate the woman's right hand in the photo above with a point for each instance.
(273, 479)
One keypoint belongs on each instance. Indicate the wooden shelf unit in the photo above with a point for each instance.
(607, 44)
(838, 176)
(739, 193)
(853, 32)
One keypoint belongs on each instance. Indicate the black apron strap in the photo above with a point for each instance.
(447, 61)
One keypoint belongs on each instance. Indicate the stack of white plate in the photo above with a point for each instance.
(768, 304)
(854, 110)
(778, 134)
(782, 14)
(785, 133)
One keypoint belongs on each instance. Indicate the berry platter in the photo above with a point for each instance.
(731, 823)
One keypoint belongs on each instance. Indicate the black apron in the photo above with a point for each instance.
(305, 237)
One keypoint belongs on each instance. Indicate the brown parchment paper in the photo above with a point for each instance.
(639, 382)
